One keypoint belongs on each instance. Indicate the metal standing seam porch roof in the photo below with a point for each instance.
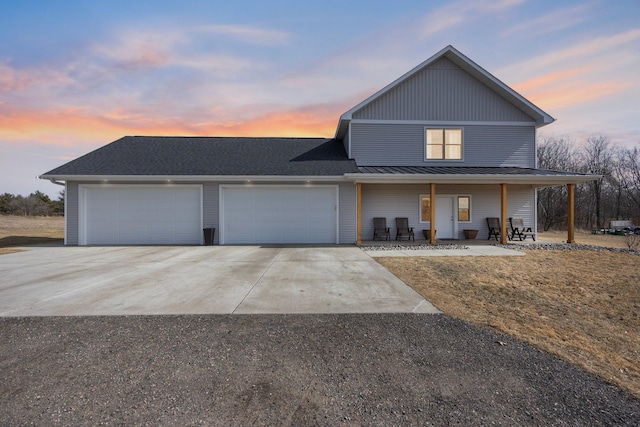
(467, 175)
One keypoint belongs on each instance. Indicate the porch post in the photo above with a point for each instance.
(570, 212)
(358, 213)
(503, 213)
(432, 213)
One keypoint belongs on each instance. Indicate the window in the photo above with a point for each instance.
(425, 208)
(444, 144)
(464, 208)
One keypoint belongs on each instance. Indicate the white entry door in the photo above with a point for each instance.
(444, 217)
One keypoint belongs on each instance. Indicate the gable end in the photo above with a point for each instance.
(441, 92)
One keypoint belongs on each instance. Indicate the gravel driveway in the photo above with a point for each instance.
(351, 369)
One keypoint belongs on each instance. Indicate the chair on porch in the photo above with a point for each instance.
(380, 229)
(403, 229)
(518, 229)
(494, 228)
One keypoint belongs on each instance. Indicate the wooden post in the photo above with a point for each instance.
(570, 213)
(358, 213)
(432, 213)
(503, 213)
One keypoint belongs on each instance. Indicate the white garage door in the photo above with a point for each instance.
(283, 214)
(140, 215)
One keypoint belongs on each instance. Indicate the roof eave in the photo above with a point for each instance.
(534, 180)
(191, 178)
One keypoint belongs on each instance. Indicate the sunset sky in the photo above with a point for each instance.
(76, 75)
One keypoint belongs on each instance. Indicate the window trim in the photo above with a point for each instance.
(458, 208)
(443, 128)
(420, 196)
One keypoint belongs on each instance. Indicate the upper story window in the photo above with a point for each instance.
(444, 144)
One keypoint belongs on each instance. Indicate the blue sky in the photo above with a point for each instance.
(76, 75)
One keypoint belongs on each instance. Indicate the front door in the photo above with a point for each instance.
(444, 217)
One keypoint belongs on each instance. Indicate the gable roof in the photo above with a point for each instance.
(157, 156)
(538, 115)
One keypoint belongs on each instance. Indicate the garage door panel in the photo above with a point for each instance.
(279, 215)
(133, 215)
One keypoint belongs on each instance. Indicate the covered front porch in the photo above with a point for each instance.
(440, 208)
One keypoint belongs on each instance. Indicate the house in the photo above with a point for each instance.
(446, 145)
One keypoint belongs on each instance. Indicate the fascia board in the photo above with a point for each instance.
(191, 178)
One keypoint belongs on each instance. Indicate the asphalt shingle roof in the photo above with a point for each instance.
(152, 155)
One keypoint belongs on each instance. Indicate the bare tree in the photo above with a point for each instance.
(597, 157)
(554, 154)
(630, 164)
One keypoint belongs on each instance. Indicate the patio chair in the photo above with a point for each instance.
(518, 229)
(380, 229)
(403, 229)
(494, 228)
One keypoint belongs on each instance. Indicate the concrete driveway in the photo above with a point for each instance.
(47, 281)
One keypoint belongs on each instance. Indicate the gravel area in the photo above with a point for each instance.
(379, 369)
(401, 247)
(565, 247)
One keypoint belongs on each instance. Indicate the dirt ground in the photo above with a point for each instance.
(583, 306)
(585, 238)
(20, 231)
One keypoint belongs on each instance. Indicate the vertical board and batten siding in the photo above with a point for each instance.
(388, 144)
(442, 91)
(211, 208)
(402, 200)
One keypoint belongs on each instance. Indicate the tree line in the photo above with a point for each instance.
(35, 204)
(616, 196)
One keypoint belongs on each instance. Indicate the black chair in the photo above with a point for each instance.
(380, 229)
(403, 229)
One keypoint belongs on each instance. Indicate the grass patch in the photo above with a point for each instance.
(583, 306)
(23, 231)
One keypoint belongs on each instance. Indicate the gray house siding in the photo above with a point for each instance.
(388, 144)
(211, 209)
(442, 91)
(401, 200)
(71, 213)
(347, 218)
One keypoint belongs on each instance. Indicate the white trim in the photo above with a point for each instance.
(222, 187)
(66, 216)
(470, 208)
(82, 200)
(191, 179)
(440, 122)
(349, 132)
